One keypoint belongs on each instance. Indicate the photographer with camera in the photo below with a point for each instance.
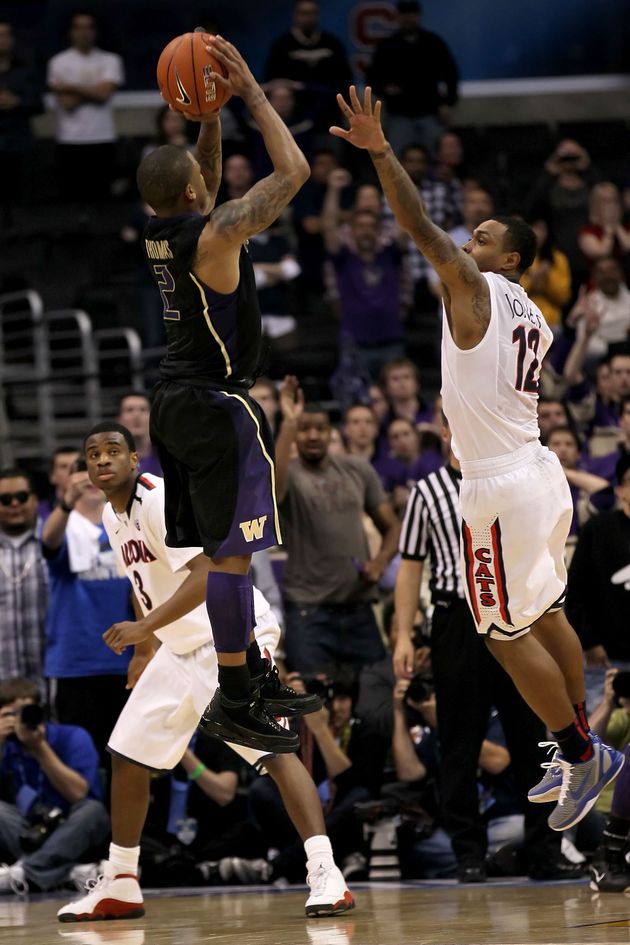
(424, 849)
(51, 811)
(611, 720)
(87, 596)
(468, 683)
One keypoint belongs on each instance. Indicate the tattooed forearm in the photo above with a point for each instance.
(401, 193)
(451, 264)
(255, 212)
(209, 155)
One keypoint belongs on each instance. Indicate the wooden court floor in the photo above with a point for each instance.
(386, 914)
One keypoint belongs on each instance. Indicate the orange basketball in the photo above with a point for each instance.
(183, 75)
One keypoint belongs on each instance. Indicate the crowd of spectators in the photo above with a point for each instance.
(439, 752)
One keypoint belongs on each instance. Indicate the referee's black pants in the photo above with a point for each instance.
(468, 682)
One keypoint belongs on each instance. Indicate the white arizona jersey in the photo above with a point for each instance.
(490, 392)
(156, 571)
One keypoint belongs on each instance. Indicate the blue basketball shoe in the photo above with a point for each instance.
(582, 783)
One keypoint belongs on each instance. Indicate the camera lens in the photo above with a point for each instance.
(32, 715)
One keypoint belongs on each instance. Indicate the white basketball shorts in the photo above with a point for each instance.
(164, 708)
(516, 512)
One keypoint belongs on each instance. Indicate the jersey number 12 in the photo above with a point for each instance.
(526, 341)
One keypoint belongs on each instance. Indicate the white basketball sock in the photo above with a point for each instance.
(319, 851)
(124, 859)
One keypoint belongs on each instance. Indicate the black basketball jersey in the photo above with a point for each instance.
(211, 336)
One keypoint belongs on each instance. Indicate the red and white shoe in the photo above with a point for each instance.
(329, 893)
(111, 896)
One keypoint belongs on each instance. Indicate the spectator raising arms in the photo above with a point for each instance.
(330, 579)
(86, 596)
(561, 195)
(369, 279)
(605, 234)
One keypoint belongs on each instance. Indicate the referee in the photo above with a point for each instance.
(468, 682)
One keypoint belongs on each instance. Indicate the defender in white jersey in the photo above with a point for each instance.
(515, 501)
(158, 721)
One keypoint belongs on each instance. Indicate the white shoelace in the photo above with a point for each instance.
(567, 770)
(317, 880)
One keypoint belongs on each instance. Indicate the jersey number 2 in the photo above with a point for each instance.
(530, 341)
(166, 285)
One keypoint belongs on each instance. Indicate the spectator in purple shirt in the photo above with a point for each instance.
(589, 492)
(606, 465)
(400, 380)
(368, 278)
(408, 461)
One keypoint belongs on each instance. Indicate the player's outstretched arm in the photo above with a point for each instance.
(209, 155)
(455, 269)
(236, 220)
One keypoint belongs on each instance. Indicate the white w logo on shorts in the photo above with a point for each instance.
(253, 529)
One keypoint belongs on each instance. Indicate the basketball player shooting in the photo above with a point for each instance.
(515, 501)
(213, 442)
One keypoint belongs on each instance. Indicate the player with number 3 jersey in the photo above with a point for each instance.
(515, 501)
(156, 725)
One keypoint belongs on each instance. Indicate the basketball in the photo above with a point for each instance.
(183, 75)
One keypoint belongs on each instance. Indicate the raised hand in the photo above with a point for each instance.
(365, 121)
(239, 80)
(291, 399)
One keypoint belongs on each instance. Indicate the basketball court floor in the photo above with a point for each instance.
(498, 913)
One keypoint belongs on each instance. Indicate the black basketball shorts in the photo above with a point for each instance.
(216, 452)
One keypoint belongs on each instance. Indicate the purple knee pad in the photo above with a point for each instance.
(230, 606)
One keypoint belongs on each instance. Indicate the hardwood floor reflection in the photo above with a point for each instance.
(386, 914)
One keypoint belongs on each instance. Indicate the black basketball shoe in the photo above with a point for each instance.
(248, 724)
(609, 870)
(279, 699)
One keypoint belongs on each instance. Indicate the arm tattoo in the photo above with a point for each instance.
(401, 192)
(457, 272)
(480, 309)
(209, 156)
(257, 210)
(404, 199)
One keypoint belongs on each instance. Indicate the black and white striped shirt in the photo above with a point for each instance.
(432, 526)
